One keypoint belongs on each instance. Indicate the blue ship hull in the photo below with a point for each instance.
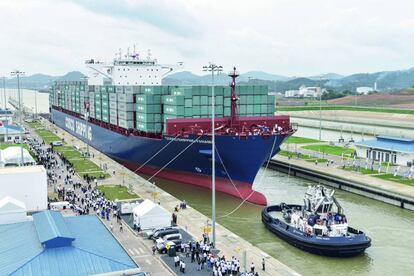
(183, 159)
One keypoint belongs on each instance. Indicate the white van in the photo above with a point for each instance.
(58, 206)
(57, 143)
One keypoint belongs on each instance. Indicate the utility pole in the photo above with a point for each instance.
(213, 68)
(19, 73)
(87, 108)
(320, 109)
(35, 104)
(6, 139)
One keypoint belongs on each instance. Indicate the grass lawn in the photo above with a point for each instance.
(302, 156)
(300, 140)
(361, 170)
(47, 136)
(397, 178)
(81, 165)
(113, 192)
(35, 125)
(333, 150)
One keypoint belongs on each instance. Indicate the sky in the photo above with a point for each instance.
(284, 37)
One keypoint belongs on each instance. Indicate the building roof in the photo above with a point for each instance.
(13, 155)
(93, 250)
(389, 143)
(11, 129)
(8, 204)
(52, 229)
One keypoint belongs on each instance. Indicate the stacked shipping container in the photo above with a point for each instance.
(147, 108)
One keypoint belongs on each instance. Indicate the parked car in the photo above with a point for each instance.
(152, 232)
(57, 143)
(162, 233)
(162, 249)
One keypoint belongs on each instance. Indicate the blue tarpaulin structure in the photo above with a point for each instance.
(85, 247)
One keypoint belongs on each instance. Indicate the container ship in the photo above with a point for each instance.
(165, 131)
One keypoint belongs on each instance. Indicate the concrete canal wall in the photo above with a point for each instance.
(344, 183)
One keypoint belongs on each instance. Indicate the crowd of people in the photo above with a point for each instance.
(85, 199)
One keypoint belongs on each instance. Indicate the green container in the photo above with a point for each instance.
(271, 109)
(203, 110)
(243, 109)
(227, 111)
(227, 102)
(188, 112)
(256, 109)
(148, 108)
(196, 110)
(152, 90)
(205, 91)
(148, 118)
(105, 111)
(250, 99)
(263, 108)
(196, 91)
(243, 100)
(249, 109)
(174, 110)
(257, 99)
(188, 103)
(196, 100)
(105, 104)
(173, 100)
(203, 100)
(148, 99)
(149, 127)
(271, 99)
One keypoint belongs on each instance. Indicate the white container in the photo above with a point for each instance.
(125, 98)
(125, 115)
(126, 106)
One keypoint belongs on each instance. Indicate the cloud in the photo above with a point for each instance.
(278, 36)
(165, 15)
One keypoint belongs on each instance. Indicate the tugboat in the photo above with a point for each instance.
(315, 227)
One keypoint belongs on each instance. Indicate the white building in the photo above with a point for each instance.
(364, 90)
(304, 92)
(395, 150)
(27, 184)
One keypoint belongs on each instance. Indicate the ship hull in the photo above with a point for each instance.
(182, 159)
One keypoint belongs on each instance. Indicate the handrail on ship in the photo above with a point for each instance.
(221, 130)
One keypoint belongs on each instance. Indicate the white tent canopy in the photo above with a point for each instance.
(12, 210)
(149, 215)
(13, 155)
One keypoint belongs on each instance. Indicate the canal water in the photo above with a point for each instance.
(391, 228)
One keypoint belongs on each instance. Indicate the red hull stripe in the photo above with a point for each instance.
(222, 185)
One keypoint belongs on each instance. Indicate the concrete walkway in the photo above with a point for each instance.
(189, 219)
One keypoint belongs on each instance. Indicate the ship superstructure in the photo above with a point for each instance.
(165, 131)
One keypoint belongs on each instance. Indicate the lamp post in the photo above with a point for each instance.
(85, 78)
(6, 139)
(19, 73)
(212, 67)
(320, 109)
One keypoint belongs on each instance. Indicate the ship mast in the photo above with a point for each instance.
(233, 119)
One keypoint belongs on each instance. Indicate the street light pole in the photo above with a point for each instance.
(213, 68)
(320, 110)
(87, 108)
(35, 104)
(19, 73)
(6, 139)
